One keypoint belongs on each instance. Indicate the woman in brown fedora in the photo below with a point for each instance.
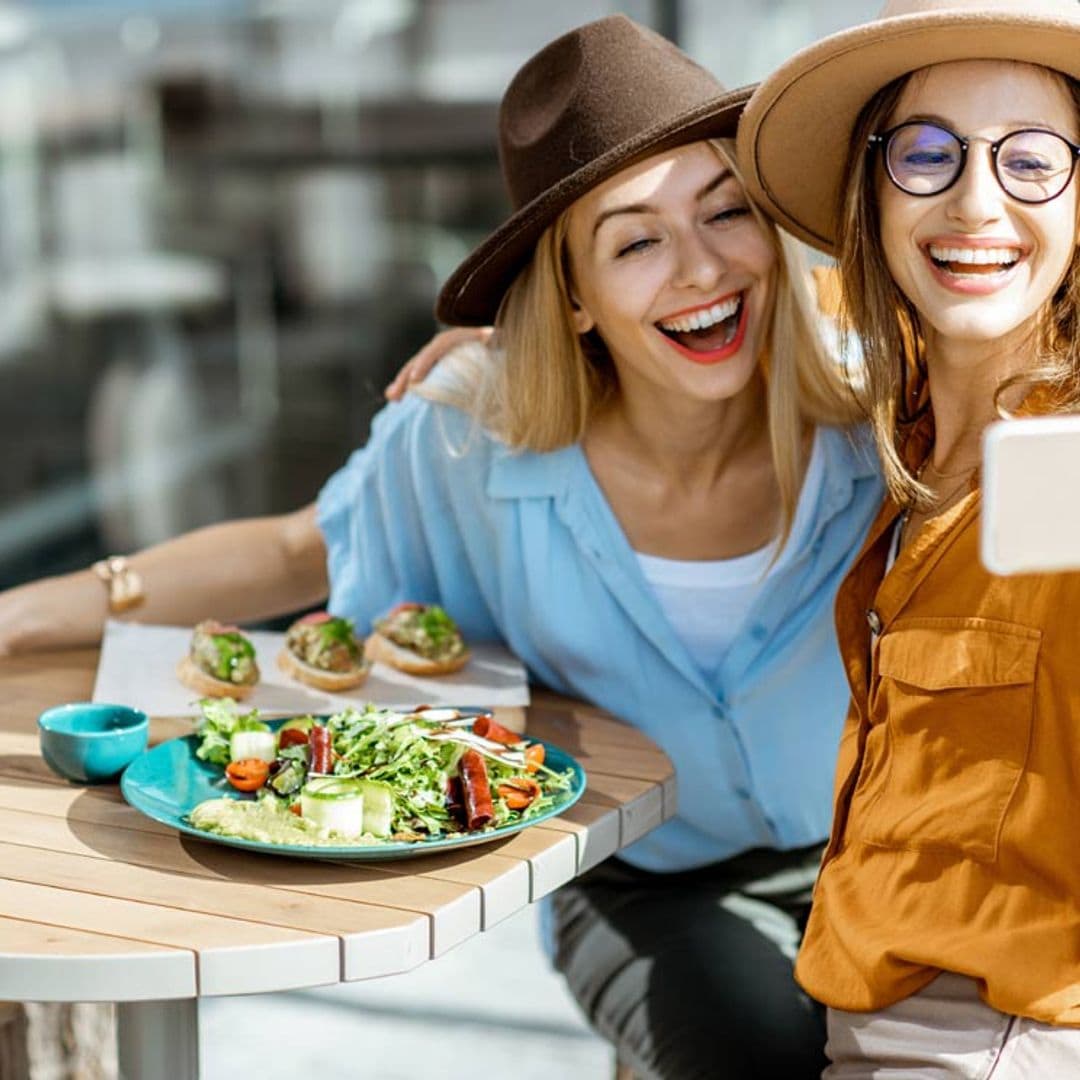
(641, 488)
(945, 934)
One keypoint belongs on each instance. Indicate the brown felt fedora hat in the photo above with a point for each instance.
(592, 102)
(795, 133)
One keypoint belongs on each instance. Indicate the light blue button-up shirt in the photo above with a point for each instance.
(523, 548)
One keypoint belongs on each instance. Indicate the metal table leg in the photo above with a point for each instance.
(159, 1040)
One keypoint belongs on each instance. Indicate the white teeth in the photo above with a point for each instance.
(975, 256)
(701, 320)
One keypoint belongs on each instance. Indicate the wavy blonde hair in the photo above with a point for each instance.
(894, 392)
(549, 381)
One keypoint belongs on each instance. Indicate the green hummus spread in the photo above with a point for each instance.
(426, 629)
(267, 821)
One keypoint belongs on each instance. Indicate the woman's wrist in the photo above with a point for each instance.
(124, 589)
(55, 613)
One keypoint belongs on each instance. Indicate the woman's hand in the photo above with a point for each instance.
(417, 368)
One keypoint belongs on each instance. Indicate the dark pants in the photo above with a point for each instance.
(689, 974)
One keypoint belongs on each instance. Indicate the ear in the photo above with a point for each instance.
(583, 321)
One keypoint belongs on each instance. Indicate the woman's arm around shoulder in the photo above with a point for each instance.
(417, 368)
(234, 571)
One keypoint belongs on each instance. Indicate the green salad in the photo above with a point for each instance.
(371, 775)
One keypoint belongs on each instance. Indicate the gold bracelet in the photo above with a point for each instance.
(124, 585)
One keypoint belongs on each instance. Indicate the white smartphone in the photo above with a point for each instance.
(1031, 495)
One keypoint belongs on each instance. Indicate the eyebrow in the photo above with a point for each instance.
(721, 178)
(1012, 125)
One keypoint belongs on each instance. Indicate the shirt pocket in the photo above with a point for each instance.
(954, 701)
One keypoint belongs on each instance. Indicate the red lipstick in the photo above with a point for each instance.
(714, 356)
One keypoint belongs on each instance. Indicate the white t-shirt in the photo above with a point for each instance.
(707, 602)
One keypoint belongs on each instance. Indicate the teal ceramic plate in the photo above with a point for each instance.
(168, 781)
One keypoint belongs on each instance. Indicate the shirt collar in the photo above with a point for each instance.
(850, 459)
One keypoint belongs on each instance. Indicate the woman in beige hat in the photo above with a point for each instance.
(640, 492)
(945, 933)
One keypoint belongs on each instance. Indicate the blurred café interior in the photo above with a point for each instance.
(223, 224)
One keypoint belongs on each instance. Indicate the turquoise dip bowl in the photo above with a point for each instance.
(90, 743)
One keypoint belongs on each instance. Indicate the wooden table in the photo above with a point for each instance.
(99, 903)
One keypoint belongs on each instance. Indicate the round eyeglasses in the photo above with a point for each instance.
(1032, 165)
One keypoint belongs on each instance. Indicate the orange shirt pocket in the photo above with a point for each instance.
(953, 711)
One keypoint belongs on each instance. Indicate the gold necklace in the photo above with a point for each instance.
(966, 471)
(943, 500)
(961, 479)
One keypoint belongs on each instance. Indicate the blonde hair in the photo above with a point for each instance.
(894, 392)
(548, 381)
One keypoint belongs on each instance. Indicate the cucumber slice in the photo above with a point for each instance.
(289, 778)
(253, 744)
(378, 806)
(335, 803)
(438, 716)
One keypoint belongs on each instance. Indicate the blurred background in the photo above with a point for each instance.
(222, 227)
(223, 224)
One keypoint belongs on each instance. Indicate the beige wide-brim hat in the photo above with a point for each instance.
(602, 97)
(795, 133)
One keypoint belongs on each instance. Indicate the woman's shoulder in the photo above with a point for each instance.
(435, 438)
(847, 490)
(461, 380)
(849, 451)
(443, 406)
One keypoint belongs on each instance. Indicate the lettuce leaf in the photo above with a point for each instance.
(222, 717)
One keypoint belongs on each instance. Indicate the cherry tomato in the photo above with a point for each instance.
(247, 775)
(292, 737)
(534, 757)
(519, 791)
(316, 618)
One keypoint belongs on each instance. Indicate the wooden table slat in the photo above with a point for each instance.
(233, 956)
(596, 831)
(454, 909)
(640, 804)
(503, 882)
(50, 963)
(552, 858)
(400, 940)
(593, 736)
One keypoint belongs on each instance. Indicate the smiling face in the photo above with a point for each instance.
(670, 266)
(977, 264)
